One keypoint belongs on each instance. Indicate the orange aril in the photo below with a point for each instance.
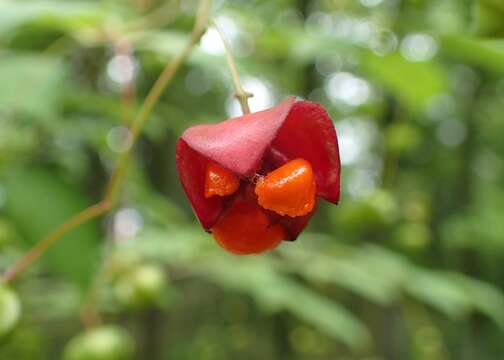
(289, 190)
(246, 229)
(219, 181)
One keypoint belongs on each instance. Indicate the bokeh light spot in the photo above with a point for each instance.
(346, 88)
(121, 69)
(418, 47)
(451, 132)
(127, 224)
(119, 139)
(371, 3)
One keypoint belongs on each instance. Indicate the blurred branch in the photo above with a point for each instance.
(157, 18)
(89, 314)
(57, 45)
(144, 4)
(35, 252)
(240, 93)
(153, 97)
(118, 175)
(391, 115)
(127, 91)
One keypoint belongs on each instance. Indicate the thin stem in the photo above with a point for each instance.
(57, 45)
(157, 18)
(127, 91)
(153, 97)
(89, 314)
(117, 177)
(143, 4)
(35, 252)
(240, 93)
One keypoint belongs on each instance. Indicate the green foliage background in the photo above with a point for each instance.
(408, 266)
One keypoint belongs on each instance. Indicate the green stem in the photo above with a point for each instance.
(240, 93)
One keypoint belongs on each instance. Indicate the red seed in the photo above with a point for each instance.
(246, 229)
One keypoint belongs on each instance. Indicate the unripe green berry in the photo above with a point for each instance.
(102, 343)
(10, 310)
(141, 287)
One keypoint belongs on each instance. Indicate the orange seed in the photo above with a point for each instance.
(288, 190)
(219, 181)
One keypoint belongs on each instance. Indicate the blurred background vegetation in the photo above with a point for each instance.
(408, 266)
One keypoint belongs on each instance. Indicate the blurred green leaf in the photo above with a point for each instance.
(170, 43)
(485, 297)
(497, 4)
(441, 292)
(173, 244)
(256, 277)
(487, 54)
(371, 272)
(63, 14)
(479, 227)
(38, 201)
(414, 83)
(402, 137)
(31, 85)
(278, 292)
(488, 17)
(17, 141)
(61, 299)
(376, 211)
(300, 46)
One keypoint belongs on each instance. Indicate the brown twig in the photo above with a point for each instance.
(36, 251)
(153, 96)
(89, 314)
(118, 175)
(157, 18)
(240, 93)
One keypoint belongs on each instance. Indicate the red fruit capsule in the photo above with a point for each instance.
(292, 147)
(246, 229)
